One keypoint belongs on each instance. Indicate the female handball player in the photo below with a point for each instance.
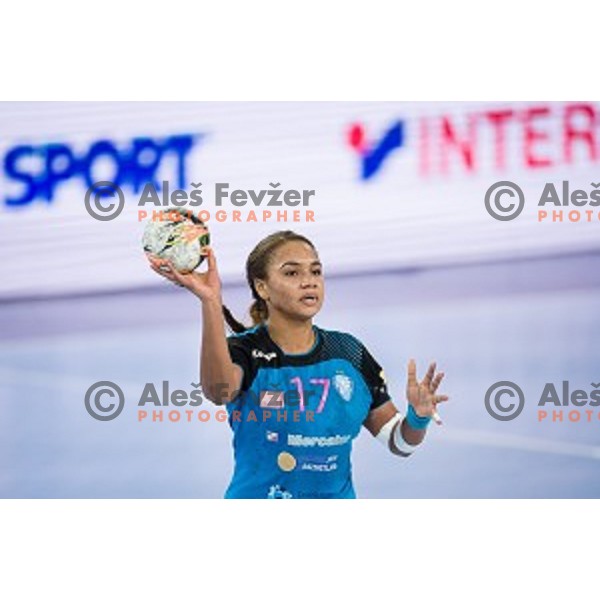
(296, 394)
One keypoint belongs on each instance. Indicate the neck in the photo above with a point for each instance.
(293, 337)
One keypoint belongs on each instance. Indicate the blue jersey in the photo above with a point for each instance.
(296, 415)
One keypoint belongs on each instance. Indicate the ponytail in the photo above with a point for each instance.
(232, 322)
(258, 312)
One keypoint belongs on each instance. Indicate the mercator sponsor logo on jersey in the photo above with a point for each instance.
(305, 440)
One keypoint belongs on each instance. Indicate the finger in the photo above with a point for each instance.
(159, 266)
(166, 274)
(171, 268)
(161, 271)
(412, 373)
(438, 399)
(178, 276)
(155, 260)
(428, 376)
(212, 260)
(436, 382)
(170, 275)
(167, 267)
(152, 258)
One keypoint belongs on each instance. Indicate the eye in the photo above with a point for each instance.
(291, 273)
(317, 272)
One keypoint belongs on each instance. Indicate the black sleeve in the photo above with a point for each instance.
(240, 355)
(374, 378)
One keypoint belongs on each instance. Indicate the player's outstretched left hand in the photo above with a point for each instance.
(422, 394)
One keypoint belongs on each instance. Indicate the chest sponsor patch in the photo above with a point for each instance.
(320, 441)
(318, 464)
(272, 399)
(286, 461)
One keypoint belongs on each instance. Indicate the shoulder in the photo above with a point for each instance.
(339, 336)
(342, 343)
(339, 344)
(244, 348)
(252, 338)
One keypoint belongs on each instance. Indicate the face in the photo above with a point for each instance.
(294, 285)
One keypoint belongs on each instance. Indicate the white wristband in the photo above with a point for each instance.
(386, 431)
(390, 436)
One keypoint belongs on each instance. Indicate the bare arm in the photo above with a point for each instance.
(219, 376)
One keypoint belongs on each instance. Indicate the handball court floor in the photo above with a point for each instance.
(530, 321)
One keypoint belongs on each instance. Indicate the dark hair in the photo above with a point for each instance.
(256, 268)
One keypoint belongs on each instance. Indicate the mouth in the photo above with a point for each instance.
(309, 299)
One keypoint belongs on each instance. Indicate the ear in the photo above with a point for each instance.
(261, 289)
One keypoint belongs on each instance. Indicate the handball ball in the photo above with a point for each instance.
(177, 236)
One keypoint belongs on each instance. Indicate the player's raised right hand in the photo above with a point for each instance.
(207, 285)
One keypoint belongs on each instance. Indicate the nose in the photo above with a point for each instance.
(309, 281)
